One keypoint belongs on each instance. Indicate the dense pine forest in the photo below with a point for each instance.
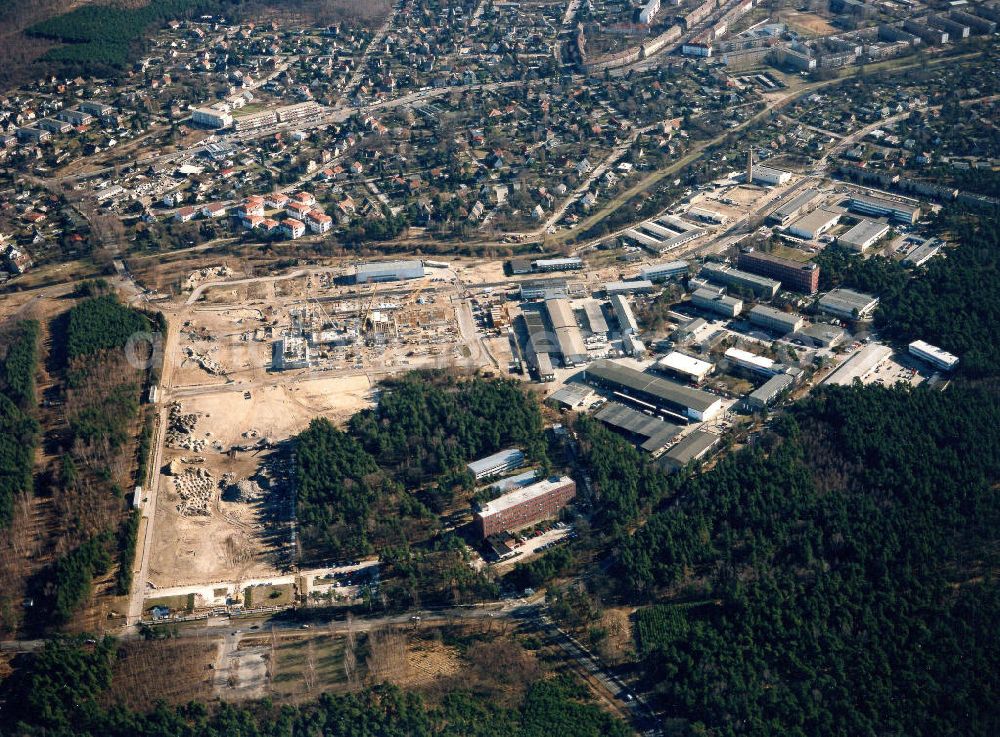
(837, 577)
(18, 427)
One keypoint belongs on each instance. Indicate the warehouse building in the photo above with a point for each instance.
(524, 506)
(776, 320)
(819, 335)
(898, 210)
(663, 272)
(933, 355)
(760, 399)
(569, 339)
(797, 276)
(693, 447)
(848, 304)
(638, 286)
(557, 264)
(858, 365)
(715, 300)
(684, 366)
(389, 271)
(752, 362)
(653, 393)
(595, 318)
(863, 236)
(540, 343)
(787, 211)
(730, 277)
(550, 289)
(814, 224)
(623, 311)
(650, 434)
(500, 462)
(769, 175)
(922, 254)
(632, 346)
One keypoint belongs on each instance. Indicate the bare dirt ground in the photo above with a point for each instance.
(808, 23)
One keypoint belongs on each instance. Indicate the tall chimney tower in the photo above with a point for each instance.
(750, 165)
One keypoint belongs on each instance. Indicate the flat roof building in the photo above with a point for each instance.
(557, 264)
(524, 506)
(769, 175)
(717, 301)
(662, 272)
(389, 271)
(549, 288)
(211, 117)
(922, 254)
(752, 362)
(623, 311)
(651, 434)
(500, 462)
(814, 224)
(684, 366)
(863, 235)
(858, 365)
(760, 399)
(776, 320)
(797, 276)
(730, 277)
(647, 390)
(595, 318)
(819, 335)
(638, 286)
(848, 304)
(792, 208)
(933, 355)
(903, 212)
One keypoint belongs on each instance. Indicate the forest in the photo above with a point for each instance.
(835, 577)
(951, 302)
(18, 427)
(100, 323)
(60, 693)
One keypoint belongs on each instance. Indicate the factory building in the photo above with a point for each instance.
(848, 304)
(693, 447)
(623, 311)
(389, 271)
(730, 277)
(568, 336)
(752, 362)
(637, 286)
(933, 355)
(922, 254)
(814, 224)
(540, 344)
(760, 399)
(663, 272)
(524, 506)
(776, 320)
(653, 393)
(684, 366)
(903, 212)
(595, 318)
(819, 335)
(863, 235)
(557, 264)
(545, 289)
(794, 275)
(500, 462)
(769, 175)
(651, 434)
(714, 300)
(791, 209)
(632, 346)
(858, 365)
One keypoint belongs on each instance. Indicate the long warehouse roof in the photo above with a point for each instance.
(638, 381)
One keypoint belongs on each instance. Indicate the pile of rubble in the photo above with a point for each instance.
(209, 273)
(196, 488)
(180, 429)
(245, 491)
(207, 363)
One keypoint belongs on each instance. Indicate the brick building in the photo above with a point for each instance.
(794, 275)
(525, 506)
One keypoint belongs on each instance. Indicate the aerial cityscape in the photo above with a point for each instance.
(467, 368)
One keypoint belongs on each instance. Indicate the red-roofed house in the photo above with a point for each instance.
(276, 200)
(184, 214)
(297, 210)
(319, 221)
(293, 228)
(305, 198)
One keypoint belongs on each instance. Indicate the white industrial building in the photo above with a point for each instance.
(569, 339)
(557, 264)
(904, 212)
(933, 355)
(636, 286)
(769, 175)
(389, 271)
(623, 311)
(776, 320)
(863, 235)
(752, 362)
(715, 300)
(662, 272)
(685, 366)
(814, 224)
(500, 462)
(848, 304)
